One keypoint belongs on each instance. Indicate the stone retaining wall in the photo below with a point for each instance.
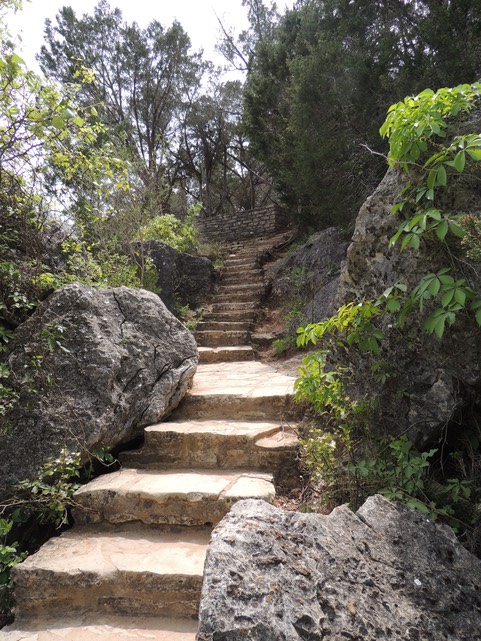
(243, 225)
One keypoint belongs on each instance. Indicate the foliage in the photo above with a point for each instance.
(347, 458)
(39, 509)
(190, 317)
(182, 235)
(418, 142)
(38, 503)
(348, 462)
(319, 85)
(183, 142)
(142, 78)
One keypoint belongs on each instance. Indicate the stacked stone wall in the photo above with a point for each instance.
(243, 225)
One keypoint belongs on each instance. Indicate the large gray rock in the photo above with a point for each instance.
(309, 277)
(383, 573)
(109, 362)
(431, 383)
(182, 279)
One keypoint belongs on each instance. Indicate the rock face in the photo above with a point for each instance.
(438, 378)
(385, 572)
(91, 367)
(182, 279)
(310, 276)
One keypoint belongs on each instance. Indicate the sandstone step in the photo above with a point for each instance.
(235, 306)
(105, 628)
(243, 287)
(240, 278)
(214, 443)
(250, 296)
(225, 354)
(247, 273)
(183, 497)
(133, 570)
(239, 390)
(221, 326)
(246, 261)
(212, 338)
(231, 315)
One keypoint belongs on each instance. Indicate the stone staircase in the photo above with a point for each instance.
(131, 567)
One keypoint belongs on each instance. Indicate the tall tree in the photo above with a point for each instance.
(142, 80)
(318, 89)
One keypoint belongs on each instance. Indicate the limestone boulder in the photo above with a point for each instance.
(309, 277)
(91, 367)
(431, 384)
(384, 572)
(182, 279)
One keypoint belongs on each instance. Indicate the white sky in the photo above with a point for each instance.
(198, 17)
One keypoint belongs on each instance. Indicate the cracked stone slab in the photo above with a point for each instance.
(133, 569)
(184, 497)
(249, 390)
(215, 443)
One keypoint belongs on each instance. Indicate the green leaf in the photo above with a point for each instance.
(442, 229)
(17, 60)
(434, 286)
(478, 317)
(418, 505)
(460, 161)
(460, 297)
(439, 326)
(456, 229)
(474, 153)
(432, 177)
(415, 241)
(393, 305)
(58, 123)
(447, 297)
(442, 176)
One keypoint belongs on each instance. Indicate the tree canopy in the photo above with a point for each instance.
(318, 88)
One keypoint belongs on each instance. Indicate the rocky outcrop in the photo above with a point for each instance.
(182, 279)
(384, 572)
(91, 367)
(431, 383)
(309, 277)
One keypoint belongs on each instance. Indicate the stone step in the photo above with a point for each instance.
(247, 271)
(231, 315)
(251, 296)
(242, 279)
(214, 443)
(222, 326)
(225, 354)
(105, 628)
(239, 390)
(212, 338)
(246, 261)
(133, 570)
(249, 306)
(243, 287)
(183, 497)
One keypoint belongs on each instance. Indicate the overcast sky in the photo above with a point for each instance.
(198, 17)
